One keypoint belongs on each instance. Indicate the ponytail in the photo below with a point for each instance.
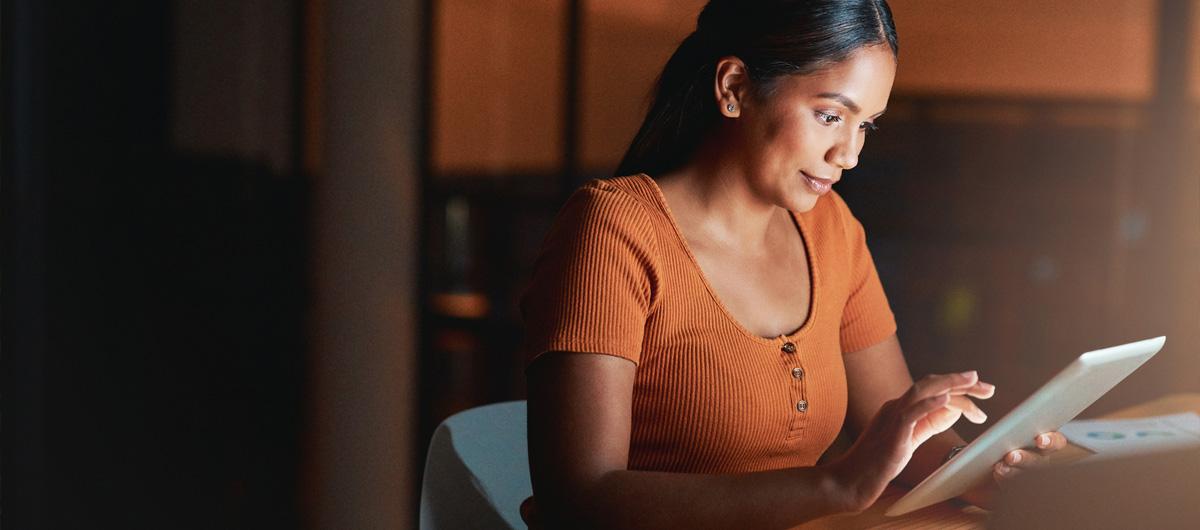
(679, 115)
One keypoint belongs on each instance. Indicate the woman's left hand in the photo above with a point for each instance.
(1012, 464)
(1020, 459)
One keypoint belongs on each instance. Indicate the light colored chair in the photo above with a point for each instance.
(477, 470)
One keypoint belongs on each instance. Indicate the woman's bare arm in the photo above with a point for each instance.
(579, 427)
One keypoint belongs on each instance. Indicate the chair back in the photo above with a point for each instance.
(477, 470)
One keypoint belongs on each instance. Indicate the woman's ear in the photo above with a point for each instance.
(731, 85)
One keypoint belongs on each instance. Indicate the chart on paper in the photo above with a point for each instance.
(1114, 438)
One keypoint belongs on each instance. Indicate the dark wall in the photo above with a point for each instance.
(153, 302)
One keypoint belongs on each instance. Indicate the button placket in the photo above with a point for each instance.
(800, 405)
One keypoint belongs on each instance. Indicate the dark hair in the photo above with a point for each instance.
(774, 38)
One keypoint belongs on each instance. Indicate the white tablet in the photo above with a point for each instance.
(1058, 401)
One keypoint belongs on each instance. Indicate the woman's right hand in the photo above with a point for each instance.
(930, 406)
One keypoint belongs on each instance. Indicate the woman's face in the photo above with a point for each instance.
(797, 141)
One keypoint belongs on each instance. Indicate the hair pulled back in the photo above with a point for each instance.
(774, 38)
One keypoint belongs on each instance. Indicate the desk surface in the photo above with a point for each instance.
(952, 516)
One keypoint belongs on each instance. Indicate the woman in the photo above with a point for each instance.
(700, 328)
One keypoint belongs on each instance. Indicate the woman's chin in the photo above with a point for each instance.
(802, 202)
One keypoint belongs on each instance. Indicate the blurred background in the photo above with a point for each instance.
(256, 250)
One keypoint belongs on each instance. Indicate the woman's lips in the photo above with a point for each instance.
(818, 185)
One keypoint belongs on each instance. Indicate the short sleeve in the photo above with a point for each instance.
(867, 318)
(595, 281)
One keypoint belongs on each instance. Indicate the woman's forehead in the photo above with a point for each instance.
(865, 78)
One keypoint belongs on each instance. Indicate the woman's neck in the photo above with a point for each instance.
(713, 197)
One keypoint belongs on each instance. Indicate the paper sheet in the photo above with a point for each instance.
(1114, 438)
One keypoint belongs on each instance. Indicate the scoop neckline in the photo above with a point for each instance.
(813, 273)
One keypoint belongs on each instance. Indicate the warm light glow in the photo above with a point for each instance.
(1194, 58)
(626, 43)
(681, 13)
(498, 85)
(1066, 48)
(460, 305)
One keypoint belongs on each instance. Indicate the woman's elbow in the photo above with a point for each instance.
(589, 503)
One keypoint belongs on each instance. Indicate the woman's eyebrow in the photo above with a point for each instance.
(849, 103)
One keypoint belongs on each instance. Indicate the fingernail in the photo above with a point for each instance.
(1016, 458)
(1044, 440)
(969, 373)
(1002, 469)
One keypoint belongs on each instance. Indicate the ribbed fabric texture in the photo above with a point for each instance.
(616, 277)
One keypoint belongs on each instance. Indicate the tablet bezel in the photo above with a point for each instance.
(1077, 386)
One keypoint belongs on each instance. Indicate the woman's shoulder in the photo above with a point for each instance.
(629, 189)
(621, 200)
(619, 205)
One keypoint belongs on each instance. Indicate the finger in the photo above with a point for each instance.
(968, 409)
(979, 390)
(932, 385)
(1022, 459)
(940, 383)
(1001, 471)
(922, 408)
(937, 421)
(1050, 441)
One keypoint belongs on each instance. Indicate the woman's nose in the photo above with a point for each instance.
(844, 153)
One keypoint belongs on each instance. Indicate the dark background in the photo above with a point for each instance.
(154, 300)
(254, 252)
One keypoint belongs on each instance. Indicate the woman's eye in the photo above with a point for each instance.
(869, 127)
(828, 119)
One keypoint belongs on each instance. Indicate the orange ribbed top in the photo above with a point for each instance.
(616, 277)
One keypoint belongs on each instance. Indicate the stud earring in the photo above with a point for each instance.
(730, 107)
